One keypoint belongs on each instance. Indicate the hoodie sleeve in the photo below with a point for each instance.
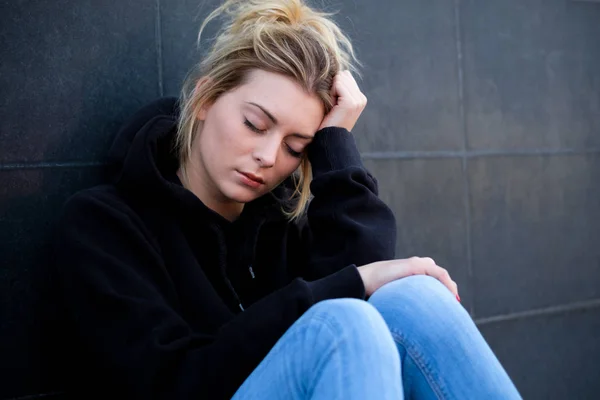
(117, 294)
(347, 223)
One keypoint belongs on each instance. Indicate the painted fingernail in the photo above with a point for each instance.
(458, 298)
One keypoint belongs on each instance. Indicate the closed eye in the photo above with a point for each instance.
(252, 127)
(293, 152)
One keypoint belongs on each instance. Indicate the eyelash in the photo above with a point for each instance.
(254, 129)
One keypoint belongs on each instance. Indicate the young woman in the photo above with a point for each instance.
(240, 250)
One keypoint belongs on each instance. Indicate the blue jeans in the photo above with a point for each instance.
(411, 340)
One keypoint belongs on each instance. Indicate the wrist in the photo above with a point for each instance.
(333, 148)
(366, 276)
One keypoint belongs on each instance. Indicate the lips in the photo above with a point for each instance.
(253, 177)
(250, 180)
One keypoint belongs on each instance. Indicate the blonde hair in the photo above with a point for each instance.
(281, 36)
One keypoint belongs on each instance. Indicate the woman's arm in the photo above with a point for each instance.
(347, 223)
(116, 287)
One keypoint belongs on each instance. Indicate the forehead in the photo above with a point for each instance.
(289, 103)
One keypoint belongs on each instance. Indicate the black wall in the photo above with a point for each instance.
(483, 127)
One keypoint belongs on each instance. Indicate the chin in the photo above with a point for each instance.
(240, 194)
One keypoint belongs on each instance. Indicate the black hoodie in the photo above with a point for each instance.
(166, 299)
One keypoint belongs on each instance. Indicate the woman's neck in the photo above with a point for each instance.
(197, 184)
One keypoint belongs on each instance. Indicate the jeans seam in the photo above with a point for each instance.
(421, 364)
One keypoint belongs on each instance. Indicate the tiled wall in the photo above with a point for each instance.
(483, 127)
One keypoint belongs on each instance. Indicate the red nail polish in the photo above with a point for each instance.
(458, 298)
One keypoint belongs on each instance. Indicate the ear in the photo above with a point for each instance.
(202, 114)
(200, 86)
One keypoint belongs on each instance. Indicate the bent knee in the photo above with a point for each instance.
(351, 318)
(356, 330)
(419, 304)
(415, 288)
(347, 312)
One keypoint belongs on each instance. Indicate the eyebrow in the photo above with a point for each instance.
(274, 120)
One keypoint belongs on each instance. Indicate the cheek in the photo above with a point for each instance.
(286, 168)
(223, 141)
(234, 138)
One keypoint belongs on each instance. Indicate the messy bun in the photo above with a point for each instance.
(281, 36)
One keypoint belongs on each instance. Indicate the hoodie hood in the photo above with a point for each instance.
(143, 164)
(166, 109)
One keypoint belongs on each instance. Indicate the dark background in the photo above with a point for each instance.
(483, 128)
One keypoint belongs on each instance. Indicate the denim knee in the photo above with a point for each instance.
(415, 288)
(355, 321)
(419, 302)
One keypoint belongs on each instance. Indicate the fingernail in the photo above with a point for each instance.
(458, 298)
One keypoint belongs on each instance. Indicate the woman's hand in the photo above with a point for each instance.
(349, 102)
(377, 274)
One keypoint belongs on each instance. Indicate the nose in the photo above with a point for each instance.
(266, 151)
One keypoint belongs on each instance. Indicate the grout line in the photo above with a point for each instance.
(385, 155)
(583, 305)
(464, 159)
(460, 73)
(158, 34)
(38, 396)
(531, 152)
(36, 165)
(468, 233)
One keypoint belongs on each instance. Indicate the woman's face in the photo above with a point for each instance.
(252, 138)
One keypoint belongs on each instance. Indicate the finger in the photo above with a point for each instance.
(443, 276)
(429, 260)
(344, 90)
(353, 100)
(354, 88)
(349, 78)
(350, 83)
(440, 273)
(337, 80)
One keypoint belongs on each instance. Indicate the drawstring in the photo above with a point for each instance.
(223, 266)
